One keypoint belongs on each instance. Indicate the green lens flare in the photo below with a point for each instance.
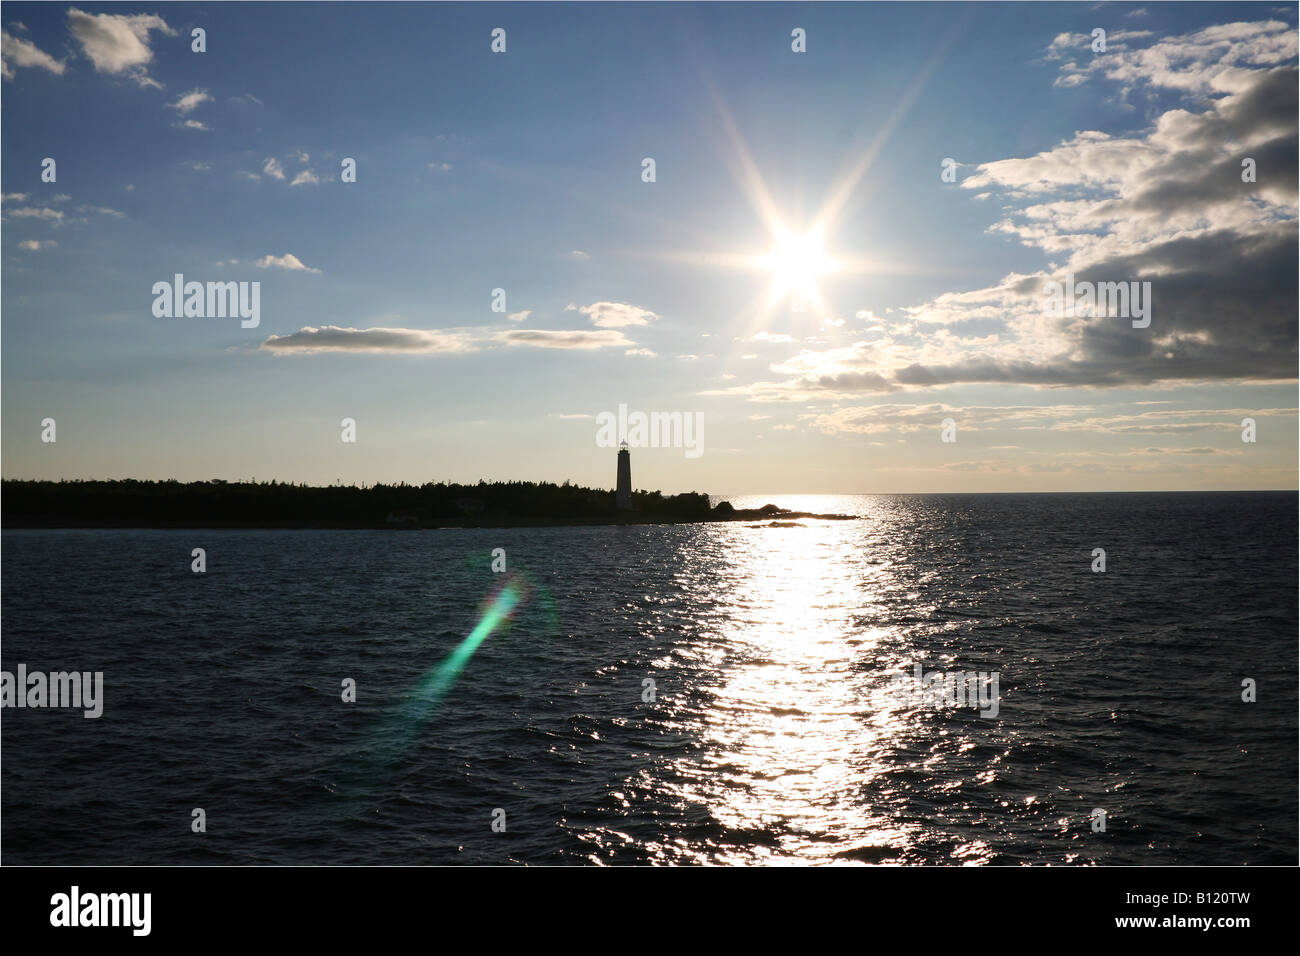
(434, 686)
(398, 733)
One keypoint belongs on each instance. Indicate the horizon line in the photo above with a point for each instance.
(741, 494)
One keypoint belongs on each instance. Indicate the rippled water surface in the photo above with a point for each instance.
(771, 731)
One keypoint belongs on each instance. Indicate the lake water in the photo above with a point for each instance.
(773, 730)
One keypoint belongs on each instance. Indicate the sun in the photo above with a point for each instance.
(796, 262)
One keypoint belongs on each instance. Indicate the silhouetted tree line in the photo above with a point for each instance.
(130, 503)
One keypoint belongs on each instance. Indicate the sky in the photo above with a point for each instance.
(840, 248)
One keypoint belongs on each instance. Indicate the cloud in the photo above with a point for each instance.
(116, 43)
(1066, 44)
(274, 169)
(898, 419)
(1168, 207)
(1174, 421)
(36, 212)
(15, 53)
(579, 254)
(13, 197)
(582, 339)
(188, 102)
(36, 245)
(191, 124)
(399, 341)
(520, 316)
(333, 338)
(1211, 61)
(642, 353)
(615, 315)
(904, 419)
(287, 261)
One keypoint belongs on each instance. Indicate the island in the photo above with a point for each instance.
(131, 503)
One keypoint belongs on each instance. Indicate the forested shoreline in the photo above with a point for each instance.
(217, 503)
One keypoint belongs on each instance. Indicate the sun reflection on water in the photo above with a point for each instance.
(797, 734)
(787, 744)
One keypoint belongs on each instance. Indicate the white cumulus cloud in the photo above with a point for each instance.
(190, 101)
(616, 315)
(15, 52)
(117, 43)
(287, 261)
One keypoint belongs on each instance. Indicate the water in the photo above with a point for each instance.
(773, 736)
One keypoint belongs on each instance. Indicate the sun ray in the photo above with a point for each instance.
(748, 176)
(797, 255)
(847, 183)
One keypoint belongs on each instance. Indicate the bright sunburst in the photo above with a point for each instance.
(797, 259)
(795, 263)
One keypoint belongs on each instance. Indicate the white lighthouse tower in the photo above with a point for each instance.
(623, 494)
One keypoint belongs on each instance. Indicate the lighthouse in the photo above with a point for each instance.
(623, 495)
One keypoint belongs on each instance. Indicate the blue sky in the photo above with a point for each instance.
(523, 171)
